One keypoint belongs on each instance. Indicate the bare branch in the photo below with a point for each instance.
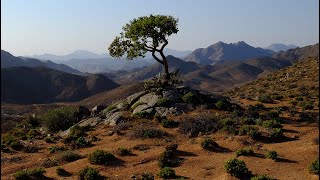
(156, 58)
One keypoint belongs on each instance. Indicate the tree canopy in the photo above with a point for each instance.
(145, 34)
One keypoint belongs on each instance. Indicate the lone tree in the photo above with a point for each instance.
(146, 33)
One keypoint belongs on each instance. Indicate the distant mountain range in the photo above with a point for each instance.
(223, 52)
(25, 85)
(8, 60)
(276, 47)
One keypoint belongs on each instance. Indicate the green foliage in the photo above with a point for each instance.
(146, 132)
(189, 98)
(307, 105)
(236, 167)
(33, 121)
(142, 114)
(32, 134)
(314, 167)
(272, 155)
(147, 176)
(29, 174)
(60, 119)
(111, 107)
(271, 124)
(208, 144)
(261, 177)
(222, 105)
(167, 123)
(276, 133)
(167, 159)
(88, 173)
(143, 34)
(163, 102)
(70, 156)
(53, 149)
(49, 163)
(265, 98)
(228, 125)
(81, 142)
(245, 152)
(249, 130)
(101, 157)
(200, 124)
(167, 172)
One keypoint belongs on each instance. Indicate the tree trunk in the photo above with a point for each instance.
(166, 70)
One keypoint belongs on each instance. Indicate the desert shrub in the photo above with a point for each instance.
(32, 134)
(60, 119)
(261, 177)
(271, 124)
(245, 152)
(249, 130)
(19, 133)
(193, 126)
(167, 123)
(299, 98)
(272, 155)
(276, 133)
(228, 125)
(164, 102)
(189, 98)
(314, 167)
(265, 98)
(272, 114)
(147, 176)
(247, 121)
(88, 173)
(307, 105)
(49, 163)
(236, 167)
(167, 159)
(208, 144)
(29, 148)
(33, 121)
(81, 142)
(148, 132)
(61, 172)
(111, 107)
(223, 105)
(252, 111)
(54, 149)
(101, 157)
(8, 139)
(49, 140)
(123, 152)
(29, 174)
(172, 147)
(304, 116)
(16, 145)
(167, 172)
(69, 156)
(277, 97)
(143, 114)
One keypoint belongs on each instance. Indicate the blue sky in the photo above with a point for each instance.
(62, 26)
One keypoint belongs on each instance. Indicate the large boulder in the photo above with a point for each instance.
(85, 122)
(150, 99)
(163, 111)
(140, 108)
(130, 100)
(172, 94)
(115, 118)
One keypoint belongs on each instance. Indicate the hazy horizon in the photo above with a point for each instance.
(61, 27)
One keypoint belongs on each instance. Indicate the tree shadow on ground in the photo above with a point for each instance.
(184, 153)
(219, 149)
(285, 160)
(269, 140)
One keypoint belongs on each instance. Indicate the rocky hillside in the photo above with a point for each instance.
(226, 52)
(298, 54)
(42, 85)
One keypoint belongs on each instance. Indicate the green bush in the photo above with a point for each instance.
(314, 167)
(167, 123)
(123, 152)
(299, 98)
(261, 177)
(147, 176)
(53, 149)
(209, 144)
(167, 172)
(307, 105)
(88, 173)
(60, 119)
(142, 114)
(272, 155)
(265, 98)
(29, 174)
(81, 143)
(236, 167)
(164, 102)
(221, 105)
(167, 159)
(271, 124)
(49, 163)
(148, 132)
(16, 145)
(101, 157)
(276, 133)
(70, 156)
(228, 125)
(245, 152)
(249, 130)
(189, 98)
(32, 134)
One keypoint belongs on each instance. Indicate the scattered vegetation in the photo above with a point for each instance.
(29, 174)
(167, 159)
(101, 157)
(60, 119)
(167, 172)
(271, 155)
(88, 173)
(189, 98)
(124, 152)
(314, 167)
(261, 177)
(70, 156)
(201, 124)
(148, 132)
(168, 123)
(236, 167)
(147, 176)
(208, 144)
(164, 102)
(245, 152)
(61, 172)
